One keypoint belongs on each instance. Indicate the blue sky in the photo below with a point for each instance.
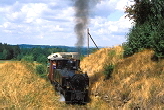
(51, 22)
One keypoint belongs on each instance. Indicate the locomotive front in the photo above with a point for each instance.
(77, 89)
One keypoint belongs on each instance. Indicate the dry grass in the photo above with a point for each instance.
(22, 88)
(136, 81)
(95, 62)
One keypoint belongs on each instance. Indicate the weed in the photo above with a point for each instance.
(41, 70)
(108, 69)
(112, 53)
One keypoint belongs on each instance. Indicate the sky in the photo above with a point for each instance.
(51, 22)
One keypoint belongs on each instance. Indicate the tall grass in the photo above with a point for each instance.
(136, 82)
(22, 88)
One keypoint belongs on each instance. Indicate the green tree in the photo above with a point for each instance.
(42, 59)
(148, 17)
(1, 47)
(28, 59)
(6, 54)
(16, 51)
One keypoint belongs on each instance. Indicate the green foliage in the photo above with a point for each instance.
(8, 52)
(16, 51)
(1, 55)
(108, 69)
(82, 57)
(29, 59)
(112, 53)
(158, 40)
(93, 50)
(138, 38)
(145, 10)
(41, 70)
(148, 31)
(41, 59)
(39, 52)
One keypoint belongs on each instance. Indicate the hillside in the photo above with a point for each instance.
(22, 88)
(136, 81)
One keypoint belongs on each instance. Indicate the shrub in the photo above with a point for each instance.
(108, 69)
(29, 59)
(112, 53)
(41, 59)
(40, 69)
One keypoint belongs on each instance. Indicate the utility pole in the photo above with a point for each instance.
(88, 41)
(89, 36)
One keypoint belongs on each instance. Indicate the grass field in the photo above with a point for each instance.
(3, 61)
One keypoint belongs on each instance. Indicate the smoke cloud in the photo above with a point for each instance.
(81, 20)
(82, 9)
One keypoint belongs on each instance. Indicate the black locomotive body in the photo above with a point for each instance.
(68, 79)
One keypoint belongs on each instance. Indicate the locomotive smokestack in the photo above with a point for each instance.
(81, 20)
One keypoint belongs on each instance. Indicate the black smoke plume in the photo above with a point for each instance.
(81, 20)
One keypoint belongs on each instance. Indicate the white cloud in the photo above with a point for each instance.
(121, 4)
(52, 22)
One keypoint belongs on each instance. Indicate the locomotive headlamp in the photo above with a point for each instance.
(67, 78)
(67, 86)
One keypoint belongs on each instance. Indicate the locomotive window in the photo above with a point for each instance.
(61, 64)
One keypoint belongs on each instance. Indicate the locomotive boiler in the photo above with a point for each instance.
(66, 76)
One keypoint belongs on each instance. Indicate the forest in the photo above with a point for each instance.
(37, 53)
(17, 52)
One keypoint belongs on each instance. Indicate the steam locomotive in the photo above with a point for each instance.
(66, 76)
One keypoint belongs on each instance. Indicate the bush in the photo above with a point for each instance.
(29, 59)
(112, 53)
(41, 70)
(42, 59)
(108, 69)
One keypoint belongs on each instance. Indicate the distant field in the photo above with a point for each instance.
(3, 61)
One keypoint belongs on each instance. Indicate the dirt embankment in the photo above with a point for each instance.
(137, 81)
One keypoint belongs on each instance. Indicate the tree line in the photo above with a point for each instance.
(39, 54)
(8, 52)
